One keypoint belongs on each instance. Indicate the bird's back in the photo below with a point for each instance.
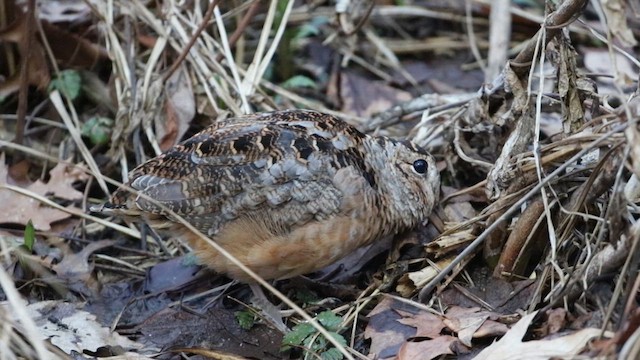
(283, 162)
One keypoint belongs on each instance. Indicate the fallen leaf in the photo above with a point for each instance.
(180, 108)
(512, 347)
(470, 323)
(447, 244)
(409, 282)
(491, 328)
(364, 97)
(556, 320)
(426, 323)
(428, 349)
(60, 184)
(386, 333)
(466, 324)
(170, 275)
(75, 330)
(18, 173)
(76, 270)
(19, 209)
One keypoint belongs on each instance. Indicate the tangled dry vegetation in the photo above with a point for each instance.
(532, 249)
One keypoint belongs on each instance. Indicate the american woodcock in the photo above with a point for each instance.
(286, 192)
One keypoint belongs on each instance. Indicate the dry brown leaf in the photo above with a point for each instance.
(18, 173)
(428, 349)
(567, 75)
(19, 209)
(426, 324)
(465, 322)
(457, 212)
(180, 108)
(400, 331)
(409, 282)
(491, 328)
(386, 333)
(506, 297)
(556, 320)
(76, 270)
(60, 183)
(470, 323)
(447, 244)
(502, 173)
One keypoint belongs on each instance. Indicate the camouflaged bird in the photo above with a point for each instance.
(286, 192)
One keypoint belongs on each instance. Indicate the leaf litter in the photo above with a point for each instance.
(501, 249)
(20, 209)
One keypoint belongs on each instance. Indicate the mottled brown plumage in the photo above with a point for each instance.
(286, 192)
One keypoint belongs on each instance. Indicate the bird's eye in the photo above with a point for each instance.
(420, 166)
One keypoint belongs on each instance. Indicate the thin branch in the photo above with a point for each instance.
(26, 48)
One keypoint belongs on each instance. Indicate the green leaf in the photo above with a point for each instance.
(68, 82)
(299, 81)
(311, 28)
(332, 354)
(306, 296)
(307, 30)
(306, 336)
(315, 342)
(296, 336)
(339, 338)
(330, 320)
(98, 130)
(29, 236)
(246, 319)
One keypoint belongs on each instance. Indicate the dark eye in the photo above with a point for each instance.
(420, 166)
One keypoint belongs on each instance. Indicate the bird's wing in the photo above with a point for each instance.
(254, 163)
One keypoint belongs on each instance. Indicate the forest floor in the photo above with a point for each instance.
(529, 107)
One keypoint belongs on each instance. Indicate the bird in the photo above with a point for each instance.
(285, 192)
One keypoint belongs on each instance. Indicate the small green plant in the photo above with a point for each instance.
(98, 130)
(304, 335)
(299, 81)
(68, 82)
(311, 28)
(26, 249)
(246, 319)
(305, 297)
(29, 237)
